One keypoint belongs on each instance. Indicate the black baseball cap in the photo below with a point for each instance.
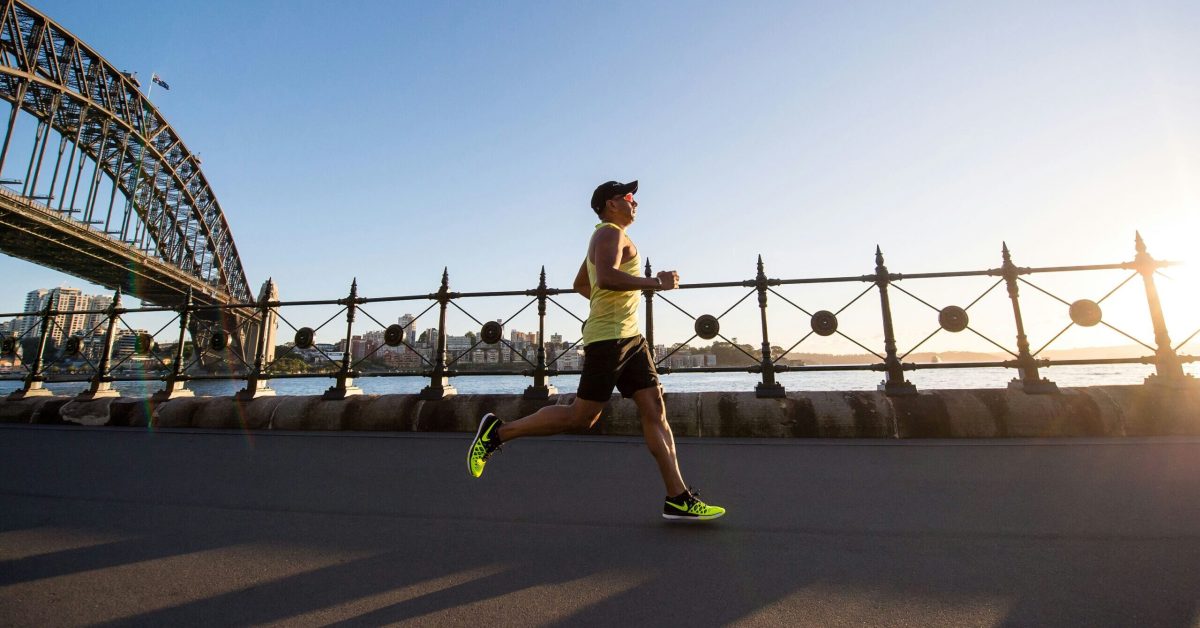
(609, 189)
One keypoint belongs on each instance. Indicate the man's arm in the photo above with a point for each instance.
(582, 284)
(608, 267)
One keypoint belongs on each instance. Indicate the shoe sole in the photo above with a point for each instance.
(471, 449)
(691, 518)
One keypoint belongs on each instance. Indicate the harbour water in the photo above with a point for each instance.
(1064, 376)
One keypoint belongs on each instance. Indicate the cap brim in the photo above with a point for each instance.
(628, 188)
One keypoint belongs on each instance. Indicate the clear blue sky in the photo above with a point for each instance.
(384, 140)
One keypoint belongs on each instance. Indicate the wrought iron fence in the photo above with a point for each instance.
(102, 365)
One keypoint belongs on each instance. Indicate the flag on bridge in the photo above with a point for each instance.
(158, 81)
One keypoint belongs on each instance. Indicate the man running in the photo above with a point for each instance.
(615, 354)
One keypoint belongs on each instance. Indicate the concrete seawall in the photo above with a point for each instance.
(1092, 411)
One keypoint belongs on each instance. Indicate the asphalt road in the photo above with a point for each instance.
(176, 528)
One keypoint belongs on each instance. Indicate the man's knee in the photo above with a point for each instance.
(650, 404)
(585, 414)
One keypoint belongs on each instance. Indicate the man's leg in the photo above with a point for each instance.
(659, 438)
(580, 415)
(681, 503)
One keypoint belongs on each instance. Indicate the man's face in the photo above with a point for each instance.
(624, 208)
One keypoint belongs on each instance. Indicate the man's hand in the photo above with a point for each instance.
(669, 279)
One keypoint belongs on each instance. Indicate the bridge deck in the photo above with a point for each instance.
(34, 232)
(213, 528)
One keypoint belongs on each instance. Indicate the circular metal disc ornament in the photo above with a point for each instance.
(1086, 313)
(145, 342)
(492, 332)
(218, 341)
(824, 323)
(8, 346)
(393, 335)
(953, 318)
(707, 326)
(74, 345)
(304, 337)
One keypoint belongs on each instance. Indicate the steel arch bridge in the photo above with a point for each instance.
(120, 201)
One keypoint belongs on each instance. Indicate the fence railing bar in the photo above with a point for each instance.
(514, 350)
(788, 301)
(854, 300)
(467, 351)
(994, 343)
(1119, 286)
(1127, 335)
(916, 346)
(789, 349)
(673, 351)
(672, 304)
(564, 352)
(755, 358)
(1048, 342)
(1186, 340)
(1045, 292)
(918, 299)
(985, 293)
(739, 302)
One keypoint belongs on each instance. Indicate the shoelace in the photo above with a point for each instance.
(693, 502)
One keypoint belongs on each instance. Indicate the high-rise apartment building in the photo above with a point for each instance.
(33, 303)
(72, 319)
(410, 331)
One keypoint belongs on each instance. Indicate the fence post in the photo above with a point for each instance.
(101, 384)
(256, 385)
(439, 382)
(768, 387)
(1168, 368)
(1029, 381)
(541, 388)
(176, 382)
(649, 294)
(895, 384)
(34, 385)
(344, 384)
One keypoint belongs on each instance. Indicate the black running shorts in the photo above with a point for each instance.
(625, 363)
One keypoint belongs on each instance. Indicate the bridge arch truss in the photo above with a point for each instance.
(166, 209)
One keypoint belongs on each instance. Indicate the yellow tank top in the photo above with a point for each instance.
(612, 313)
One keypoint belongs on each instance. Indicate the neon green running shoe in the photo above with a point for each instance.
(486, 443)
(688, 507)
